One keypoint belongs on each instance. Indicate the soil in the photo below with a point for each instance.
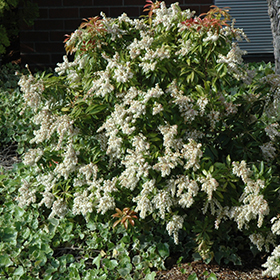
(202, 270)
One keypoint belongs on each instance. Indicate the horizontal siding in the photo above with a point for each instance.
(253, 18)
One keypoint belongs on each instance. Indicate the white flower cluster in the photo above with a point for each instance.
(254, 204)
(233, 60)
(192, 153)
(170, 159)
(168, 17)
(144, 204)
(27, 194)
(48, 181)
(230, 108)
(121, 71)
(211, 36)
(69, 163)
(157, 108)
(49, 124)
(268, 150)
(202, 103)
(151, 58)
(209, 184)
(261, 241)
(184, 47)
(59, 208)
(101, 86)
(185, 103)
(102, 191)
(32, 156)
(272, 263)
(163, 202)
(82, 203)
(272, 131)
(174, 226)
(275, 228)
(137, 46)
(194, 134)
(136, 167)
(112, 28)
(65, 65)
(186, 190)
(124, 115)
(214, 117)
(76, 35)
(32, 90)
(48, 199)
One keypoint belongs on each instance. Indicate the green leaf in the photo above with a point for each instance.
(9, 235)
(65, 109)
(5, 260)
(136, 259)
(19, 212)
(212, 276)
(200, 90)
(125, 239)
(19, 271)
(151, 276)
(110, 264)
(96, 261)
(95, 109)
(193, 277)
(163, 250)
(125, 271)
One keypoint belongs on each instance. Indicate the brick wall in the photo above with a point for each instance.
(42, 46)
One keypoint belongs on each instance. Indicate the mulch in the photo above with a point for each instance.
(183, 271)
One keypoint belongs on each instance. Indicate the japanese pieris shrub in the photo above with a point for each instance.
(159, 115)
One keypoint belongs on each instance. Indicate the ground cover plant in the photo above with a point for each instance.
(156, 140)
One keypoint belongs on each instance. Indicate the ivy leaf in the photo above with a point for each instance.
(193, 277)
(163, 250)
(212, 276)
(5, 261)
(151, 276)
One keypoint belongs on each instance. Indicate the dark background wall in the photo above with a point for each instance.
(42, 44)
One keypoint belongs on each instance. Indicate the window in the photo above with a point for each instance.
(252, 16)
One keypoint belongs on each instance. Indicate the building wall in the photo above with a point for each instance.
(42, 44)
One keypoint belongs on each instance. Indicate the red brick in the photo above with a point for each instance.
(48, 25)
(49, 3)
(135, 2)
(71, 25)
(130, 11)
(24, 26)
(169, 2)
(192, 8)
(92, 12)
(200, 2)
(49, 47)
(57, 58)
(64, 13)
(107, 3)
(43, 13)
(34, 36)
(204, 8)
(78, 3)
(36, 61)
(57, 36)
(26, 47)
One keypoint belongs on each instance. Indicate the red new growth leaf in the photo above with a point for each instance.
(150, 7)
(125, 216)
(214, 19)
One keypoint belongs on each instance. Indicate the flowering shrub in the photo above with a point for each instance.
(159, 116)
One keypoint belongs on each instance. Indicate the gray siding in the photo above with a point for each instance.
(252, 16)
